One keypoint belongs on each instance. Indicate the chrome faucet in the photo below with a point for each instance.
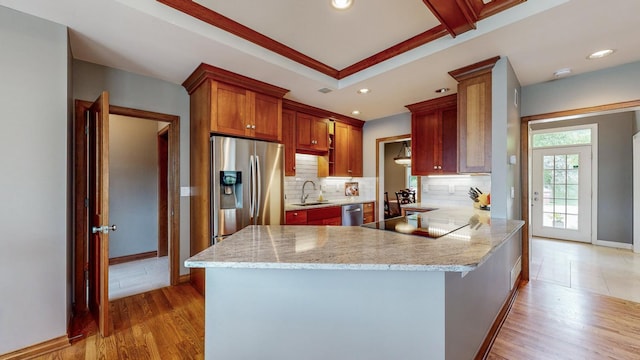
(304, 197)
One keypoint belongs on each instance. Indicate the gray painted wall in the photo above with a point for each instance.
(615, 172)
(485, 288)
(608, 86)
(395, 125)
(140, 92)
(34, 113)
(505, 142)
(133, 185)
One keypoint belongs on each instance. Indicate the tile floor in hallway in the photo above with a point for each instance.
(599, 269)
(138, 276)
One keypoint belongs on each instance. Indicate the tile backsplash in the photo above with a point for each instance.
(453, 190)
(332, 188)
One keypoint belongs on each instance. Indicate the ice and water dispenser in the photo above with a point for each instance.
(230, 189)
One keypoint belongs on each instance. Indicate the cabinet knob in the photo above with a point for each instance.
(248, 126)
(253, 126)
(349, 171)
(295, 214)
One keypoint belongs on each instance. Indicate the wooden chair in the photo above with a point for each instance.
(406, 196)
(387, 208)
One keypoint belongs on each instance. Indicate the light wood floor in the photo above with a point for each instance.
(551, 321)
(167, 323)
(547, 321)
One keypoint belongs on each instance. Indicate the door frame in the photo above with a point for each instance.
(525, 164)
(163, 191)
(379, 211)
(80, 193)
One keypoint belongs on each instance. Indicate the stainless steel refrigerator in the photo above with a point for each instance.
(247, 184)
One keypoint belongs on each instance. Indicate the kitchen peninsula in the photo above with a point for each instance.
(332, 292)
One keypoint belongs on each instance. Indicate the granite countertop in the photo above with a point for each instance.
(359, 248)
(326, 203)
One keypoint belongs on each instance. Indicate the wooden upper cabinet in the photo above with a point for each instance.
(289, 141)
(230, 110)
(355, 150)
(347, 150)
(474, 116)
(434, 148)
(237, 105)
(312, 134)
(267, 121)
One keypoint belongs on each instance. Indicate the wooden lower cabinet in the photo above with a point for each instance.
(331, 215)
(369, 212)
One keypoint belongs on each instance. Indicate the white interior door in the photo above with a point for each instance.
(561, 193)
(636, 193)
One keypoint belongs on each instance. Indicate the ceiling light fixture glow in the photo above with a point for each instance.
(561, 73)
(600, 54)
(364, 91)
(355, 112)
(341, 4)
(442, 90)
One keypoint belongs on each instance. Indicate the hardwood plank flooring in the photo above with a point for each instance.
(166, 323)
(547, 321)
(550, 321)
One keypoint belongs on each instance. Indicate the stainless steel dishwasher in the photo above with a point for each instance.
(352, 215)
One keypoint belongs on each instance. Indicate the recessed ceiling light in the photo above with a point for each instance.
(364, 91)
(600, 54)
(355, 112)
(341, 4)
(442, 90)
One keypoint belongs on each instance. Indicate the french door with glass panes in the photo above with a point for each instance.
(561, 193)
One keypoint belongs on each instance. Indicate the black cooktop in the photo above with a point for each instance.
(427, 226)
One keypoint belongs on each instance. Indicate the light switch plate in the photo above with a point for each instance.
(185, 191)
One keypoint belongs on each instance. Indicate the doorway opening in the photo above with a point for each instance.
(138, 205)
(166, 136)
(392, 177)
(613, 162)
(564, 183)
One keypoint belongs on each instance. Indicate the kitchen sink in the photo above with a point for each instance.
(309, 203)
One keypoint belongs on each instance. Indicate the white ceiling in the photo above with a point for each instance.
(538, 36)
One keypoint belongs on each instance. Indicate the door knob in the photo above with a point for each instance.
(103, 229)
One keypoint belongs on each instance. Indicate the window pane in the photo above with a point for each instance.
(558, 220)
(572, 177)
(560, 177)
(560, 192)
(547, 178)
(547, 205)
(548, 162)
(559, 206)
(572, 207)
(561, 161)
(547, 219)
(571, 137)
(572, 192)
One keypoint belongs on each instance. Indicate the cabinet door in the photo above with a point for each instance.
(230, 113)
(266, 118)
(425, 137)
(303, 131)
(289, 141)
(341, 150)
(296, 217)
(474, 118)
(355, 151)
(449, 153)
(320, 134)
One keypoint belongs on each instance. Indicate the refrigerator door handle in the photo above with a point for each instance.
(259, 187)
(252, 190)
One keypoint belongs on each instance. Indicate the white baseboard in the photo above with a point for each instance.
(614, 244)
